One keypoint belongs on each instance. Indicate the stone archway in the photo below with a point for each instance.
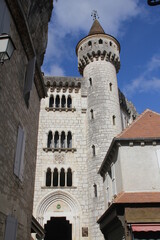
(60, 204)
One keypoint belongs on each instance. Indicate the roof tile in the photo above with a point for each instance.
(147, 125)
(96, 28)
(138, 197)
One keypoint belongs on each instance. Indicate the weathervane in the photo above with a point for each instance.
(94, 15)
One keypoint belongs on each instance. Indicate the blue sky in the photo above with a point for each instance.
(136, 27)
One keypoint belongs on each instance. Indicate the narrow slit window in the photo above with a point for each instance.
(95, 190)
(110, 87)
(90, 82)
(62, 177)
(56, 140)
(69, 177)
(110, 43)
(49, 142)
(63, 140)
(92, 114)
(51, 101)
(93, 150)
(69, 140)
(55, 177)
(48, 177)
(114, 120)
(63, 101)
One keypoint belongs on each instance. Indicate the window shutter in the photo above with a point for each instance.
(19, 157)
(29, 75)
(4, 18)
(11, 228)
(21, 170)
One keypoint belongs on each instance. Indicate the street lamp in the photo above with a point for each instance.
(6, 47)
(153, 2)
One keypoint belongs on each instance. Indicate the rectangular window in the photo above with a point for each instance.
(107, 188)
(4, 18)
(114, 190)
(11, 228)
(158, 157)
(19, 157)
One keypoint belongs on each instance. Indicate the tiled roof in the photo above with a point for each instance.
(147, 125)
(138, 197)
(96, 28)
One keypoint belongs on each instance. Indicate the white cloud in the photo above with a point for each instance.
(142, 85)
(154, 63)
(54, 70)
(146, 82)
(73, 17)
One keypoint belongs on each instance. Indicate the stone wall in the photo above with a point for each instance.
(63, 120)
(16, 196)
(84, 168)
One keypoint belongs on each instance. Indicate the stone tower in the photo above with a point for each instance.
(98, 62)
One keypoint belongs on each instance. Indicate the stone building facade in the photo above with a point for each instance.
(21, 88)
(131, 177)
(77, 122)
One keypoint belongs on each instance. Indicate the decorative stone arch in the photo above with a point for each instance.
(72, 210)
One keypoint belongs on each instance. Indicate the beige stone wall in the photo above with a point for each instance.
(142, 160)
(68, 197)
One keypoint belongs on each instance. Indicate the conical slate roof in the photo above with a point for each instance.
(96, 28)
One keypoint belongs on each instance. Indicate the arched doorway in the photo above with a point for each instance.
(58, 228)
(60, 205)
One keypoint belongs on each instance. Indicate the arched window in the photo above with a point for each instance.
(69, 102)
(69, 177)
(55, 177)
(56, 140)
(69, 140)
(57, 101)
(114, 119)
(63, 140)
(110, 43)
(110, 86)
(93, 150)
(63, 101)
(100, 41)
(95, 190)
(51, 101)
(62, 178)
(90, 81)
(48, 177)
(92, 115)
(89, 43)
(49, 142)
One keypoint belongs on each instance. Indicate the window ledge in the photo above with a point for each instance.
(60, 109)
(60, 150)
(58, 187)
